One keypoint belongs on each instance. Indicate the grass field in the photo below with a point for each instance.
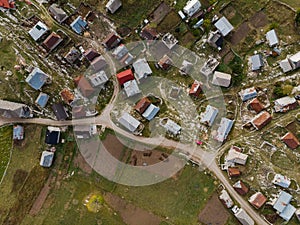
(5, 148)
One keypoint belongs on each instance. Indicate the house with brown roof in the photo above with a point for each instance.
(111, 41)
(142, 105)
(290, 140)
(257, 200)
(196, 89)
(261, 120)
(67, 95)
(52, 41)
(256, 105)
(165, 62)
(240, 188)
(233, 172)
(78, 111)
(84, 86)
(149, 33)
(91, 54)
(99, 63)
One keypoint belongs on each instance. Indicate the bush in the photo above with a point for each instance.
(297, 18)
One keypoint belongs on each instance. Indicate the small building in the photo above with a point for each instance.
(248, 93)
(46, 159)
(52, 135)
(142, 105)
(14, 110)
(243, 217)
(150, 112)
(59, 111)
(257, 62)
(224, 26)
(91, 54)
(120, 52)
(111, 41)
(72, 55)
(234, 156)
(141, 69)
(281, 181)
(257, 200)
(84, 86)
(129, 122)
(191, 7)
(172, 127)
(38, 31)
(256, 105)
(84, 131)
(215, 39)
(295, 60)
(209, 66)
(225, 199)
(285, 104)
(98, 80)
(57, 13)
(7, 4)
(79, 111)
(42, 100)
(127, 59)
(290, 140)
(283, 207)
(186, 67)
(113, 5)
(224, 129)
(149, 33)
(209, 115)
(18, 133)
(272, 38)
(169, 40)
(261, 120)
(125, 76)
(79, 25)
(240, 188)
(67, 96)
(131, 88)
(233, 172)
(285, 65)
(165, 62)
(174, 92)
(221, 79)
(196, 89)
(52, 41)
(37, 78)
(99, 63)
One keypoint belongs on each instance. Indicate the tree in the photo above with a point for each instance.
(287, 89)
(297, 19)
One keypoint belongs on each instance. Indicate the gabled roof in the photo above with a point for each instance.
(285, 66)
(248, 93)
(224, 26)
(111, 41)
(129, 122)
(225, 198)
(233, 172)
(257, 200)
(236, 157)
(42, 99)
(142, 105)
(240, 187)
(285, 101)
(38, 31)
(14, 109)
(7, 4)
(91, 54)
(99, 63)
(79, 25)
(283, 200)
(272, 38)
(224, 129)
(165, 62)
(196, 88)
(120, 52)
(290, 140)
(261, 120)
(52, 41)
(131, 88)
(244, 218)
(172, 127)
(141, 68)
(191, 7)
(221, 79)
(59, 111)
(58, 14)
(281, 181)
(125, 76)
(67, 95)
(72, 55)
(209, 115)
(257, 62)
(98, 79)
(52, 135)
(47, 159)
(149, 33)
(186, 67)
(37, 78)
(256, 105)
(84, 86)
(113, 5)
(18, 132)
(151, 112)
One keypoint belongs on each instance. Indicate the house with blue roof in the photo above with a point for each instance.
(281, 181)
(248, 94)
(209, 115)
(79, 25)
(46, 159)
(150, 112)
(18, 133)
(224, 129)
(37, 78)
(42, 100)
(283, 207)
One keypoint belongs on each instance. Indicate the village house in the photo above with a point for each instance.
(79, 25)
(59, 111)
(72, 55)
(98, 80)
(285, 65)
(18, 133)
(281, 181)
(52, 41)
(172, 127)
(233, 172)
(14, 110)
(113, 5)
(142, 105)
(91, 54)
(42, 100)
(149, 33)
(186, 67)
(38, 31)
(240, 188)
(242, 216)
(224, 129)
(122, 54)
(52, 135)
(237, 157)
(37, 78)
(99, 63)
(141, 69)
(191, 7)
(225, 199)
(272, 38)
(221, 79)
(285, 104)
(46, 159)
(257, 62)
(215, 39)
(169, 40)
(196, 89)
(295, 60)
(131, 88)
(257, 200)
(57, 13)
(283, 207)
(290, 140)
(84, 131)
(129, 122)
(111, 41)
(209, 116)
(79, 111)
(84, 86)
(125, 76)
(248, 93)
(7, 4)
(165, 62)
(256, 105)
(67, 96)
(150, 112)
(224, 26)
(209, 66)
(261, 120)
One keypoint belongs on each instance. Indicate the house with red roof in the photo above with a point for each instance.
(125, 76)
(195, 89)
(290, 140)
(7, 4)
